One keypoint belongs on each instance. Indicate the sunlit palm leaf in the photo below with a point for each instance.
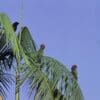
(54, 81)
(39, 81)
(26, 41)
(28, 46)
(61, 79)
(10, 35)
(6, 55)
(50, 79)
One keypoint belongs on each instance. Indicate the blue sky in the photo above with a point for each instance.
(70, 31)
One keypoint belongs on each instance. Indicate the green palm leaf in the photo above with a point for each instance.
(61, 79)
(10, 35)
(6, 55)
(53, 81)
(39, 81)
(26, 41)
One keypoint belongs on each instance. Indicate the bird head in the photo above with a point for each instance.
(74, 67)
(42, 46)
(15, 23)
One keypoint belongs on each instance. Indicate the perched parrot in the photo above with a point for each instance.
(14, 25)
(40, 53)
(74, 71)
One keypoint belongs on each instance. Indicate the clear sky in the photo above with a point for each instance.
(71, 31)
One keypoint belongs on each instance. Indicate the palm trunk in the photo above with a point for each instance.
(17, 95)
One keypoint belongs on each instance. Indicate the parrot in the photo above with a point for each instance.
(14, 25)
(40, 53)
(74, 71)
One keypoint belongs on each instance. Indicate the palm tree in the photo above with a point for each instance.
(48, 78)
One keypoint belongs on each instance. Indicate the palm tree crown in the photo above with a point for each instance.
(49, 78)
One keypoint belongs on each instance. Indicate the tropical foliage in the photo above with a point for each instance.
(47, 78)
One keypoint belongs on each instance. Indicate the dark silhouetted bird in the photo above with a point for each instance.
(74, 71)
(14, 25)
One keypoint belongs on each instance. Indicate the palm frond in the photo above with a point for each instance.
(50, 79)
(10, 35)
(54, 81)
(26, 41)
(61, 79)
(38, 81)
(6, 55)
(6, 80)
